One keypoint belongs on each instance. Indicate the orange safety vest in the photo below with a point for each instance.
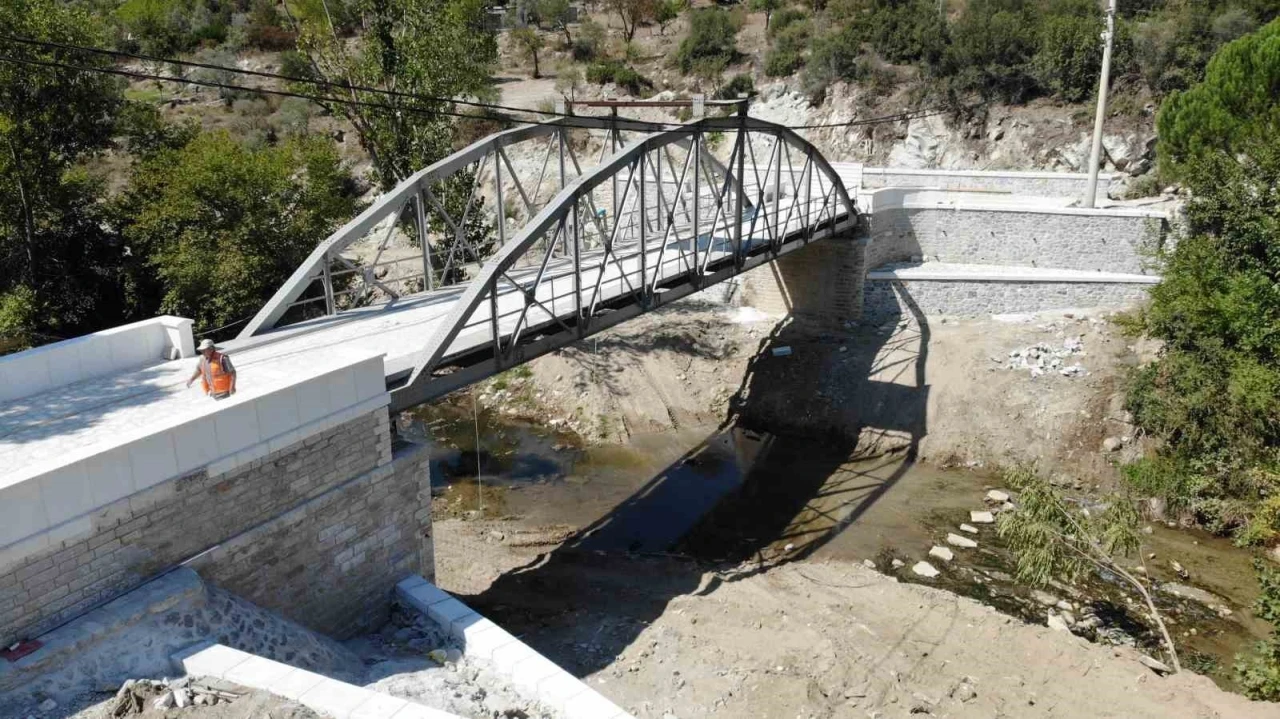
(215, 374)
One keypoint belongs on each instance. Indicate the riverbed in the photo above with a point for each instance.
(748, 499)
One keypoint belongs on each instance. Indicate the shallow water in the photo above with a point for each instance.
(742, 496)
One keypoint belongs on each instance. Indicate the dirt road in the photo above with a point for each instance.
(669, 638)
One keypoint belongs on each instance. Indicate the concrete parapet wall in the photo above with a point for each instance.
(1063, 238)
(310, 496)
(891, 299)
(37, 370)
(1042, 184)
(53, 503)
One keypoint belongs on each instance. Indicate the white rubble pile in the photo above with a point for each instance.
(1042, 358)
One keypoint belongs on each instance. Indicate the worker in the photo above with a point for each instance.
(216, 373)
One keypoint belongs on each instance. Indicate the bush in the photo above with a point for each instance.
(739, 85)
(786, 56)
(1069, 58)
(265, 30)
(620, 74)
(712, 38)
(1259, 675)
(992, 46)
(588, 44)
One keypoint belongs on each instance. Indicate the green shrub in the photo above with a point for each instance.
(620, 74)
(1259, 674)
(786, 56)
(712, 38)
(738, 86)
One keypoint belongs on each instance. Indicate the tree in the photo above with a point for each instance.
(222, 225)
(1051, 539)
(712, 40)
(60, 264)
(1259, 674)
(433, 49)
(767, 7)
(633, 13)
(529, 43)
(1070, 54)
(667, 12)
(1235, 108)
(556, 13)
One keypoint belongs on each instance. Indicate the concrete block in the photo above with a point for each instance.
(444, 613)
(506, 657)
(283, 441)
(294, 684)
(333, 698)
(195, 445)
(209, 659)
(528, 673)
(65, 367)
(70, 530)
(21, 512)
(483, 644)
(556, 691)
(66, 493)
(237, 427)
(24, 374)
(378, 706)
(257, 672)
(110, 475)
(277, 412)
(14, 553)
(590, 705)
(371, 380)
(421, 596)
(313, 401)
(342, 389)
(153, 459)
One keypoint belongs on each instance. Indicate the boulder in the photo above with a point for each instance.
(997, 496)
(956, 540)
(1044, 598)
(1058, 623)
(942, 553)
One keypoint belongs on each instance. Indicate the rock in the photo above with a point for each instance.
(1112, 444)
(1154, 664)
(1044, 598)
(1182, 572)
(164, 701)
(1057, 623)
(997, 496)
(1192, 593)
(868, 564)
(968, 528)
(48, 705)
(181, 698)
(982, 517)
(956, 540)
(942, 553)
(925, 570)
(964, 692)
(1007, 507)
(897, 564)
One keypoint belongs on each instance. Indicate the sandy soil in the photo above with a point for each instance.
(939, 388)
(667, 637)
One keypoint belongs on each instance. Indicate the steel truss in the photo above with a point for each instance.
(676, 221)
(463, 206)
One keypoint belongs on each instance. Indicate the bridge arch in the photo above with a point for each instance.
(680, 221)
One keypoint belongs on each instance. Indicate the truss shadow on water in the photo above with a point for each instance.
(701, 522)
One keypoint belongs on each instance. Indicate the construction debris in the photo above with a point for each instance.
(165, 694)
(1042, 357)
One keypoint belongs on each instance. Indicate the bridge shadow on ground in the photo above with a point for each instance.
(701, 522)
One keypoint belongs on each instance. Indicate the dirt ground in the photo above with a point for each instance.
(941, 389)
(665, 637)
(252, 704)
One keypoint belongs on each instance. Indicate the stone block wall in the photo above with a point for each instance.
(820, 284)
(331, 563)
(892, 299)
(1071, 239)
(135, 538)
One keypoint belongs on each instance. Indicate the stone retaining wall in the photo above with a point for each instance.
(288, 497)
(1069, 239)
(891, 299)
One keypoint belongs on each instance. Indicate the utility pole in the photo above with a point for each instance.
(1095, 156)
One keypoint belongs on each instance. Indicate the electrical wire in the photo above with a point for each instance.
(898, 117)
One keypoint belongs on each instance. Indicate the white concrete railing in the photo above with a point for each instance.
(55, 500)
(1052, 184)
(897, 198)
(37, 370)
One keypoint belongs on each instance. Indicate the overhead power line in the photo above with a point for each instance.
(497, 109)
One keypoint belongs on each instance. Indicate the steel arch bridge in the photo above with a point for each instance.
(506, 268)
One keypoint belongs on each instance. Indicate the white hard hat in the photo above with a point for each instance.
(206, 344)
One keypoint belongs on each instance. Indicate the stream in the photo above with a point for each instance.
(743, 497)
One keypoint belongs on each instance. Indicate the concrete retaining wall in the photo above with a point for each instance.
(1062, 238)
(152, 341)
(1042, 184)
(891, 299)
(312, 508)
